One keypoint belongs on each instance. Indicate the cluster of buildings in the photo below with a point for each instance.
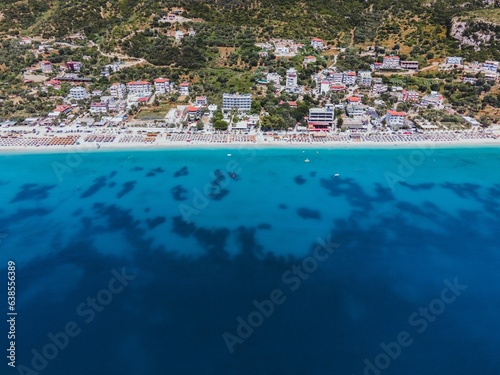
(489, 68)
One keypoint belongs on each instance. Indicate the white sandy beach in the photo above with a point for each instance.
(170, 145)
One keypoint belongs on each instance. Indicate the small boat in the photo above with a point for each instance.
(307, 161)
(228, 154)
(336, 174)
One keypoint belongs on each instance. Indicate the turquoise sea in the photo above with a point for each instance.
(253, 261)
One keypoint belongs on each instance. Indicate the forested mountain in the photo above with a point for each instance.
(419, 28)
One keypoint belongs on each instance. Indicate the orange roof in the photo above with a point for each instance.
(353, 99)
(192, 108)
(184, 84)
(395, 113)
(317, 40)
(351, 73)
(138, 83)
(162, 80)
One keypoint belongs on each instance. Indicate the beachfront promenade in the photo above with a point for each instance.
(108, 138)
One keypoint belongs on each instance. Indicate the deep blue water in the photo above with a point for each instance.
(205, 237)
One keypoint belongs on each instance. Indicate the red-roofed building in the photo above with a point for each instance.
(62, 109)
(184, 88)
(194, 113)
(353, 100)
(349, 78)
(390, 62)
(201, 101)
(395, 119)
(143, 88)
(309, 59)
(46, 66)
(162, 85)
(54, 83)
(317, 43)
(337, 88)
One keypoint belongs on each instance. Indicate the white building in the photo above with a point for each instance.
(435, 100)
(324, 87)
(291, 78)
(454, 60)
(118, 90)
(337, 77)
(184, 88)
(410, 96)
(240, 102)
(162, 86)
(201, 101)
(320, 118)
(99, 107)
(395, 119)
(141, 88)
(46, 66)
(317, 43)
(410, 65)
(390, 62)
(274, 78)
(490, 67)
(364, 78)
(78, 93)
(349, 78)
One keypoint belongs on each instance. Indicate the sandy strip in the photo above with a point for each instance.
(140, 146)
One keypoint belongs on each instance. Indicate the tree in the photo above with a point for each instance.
(221, 125)
(199, 125)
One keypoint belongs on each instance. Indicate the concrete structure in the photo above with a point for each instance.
(78, 93)
(74, 66)
(193, 113)
(410, 65)
(454, 60)
(162, 86)
(118, 90)
(274, 78)
(291, 78)
(140, 88)
(317, 43)
(184, 88)
(98, 107)
(391, 62)
(395, 119)
(239, 102)
(434, 100)
(201, 101)
(356, 110)
(364, 78)
(46, 66)
(349, 78)
(410, 96)
(309, 59)
(321, 118)
(490, 67)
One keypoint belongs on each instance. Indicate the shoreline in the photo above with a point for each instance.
(112, 147)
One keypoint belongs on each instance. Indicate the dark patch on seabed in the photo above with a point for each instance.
(299, 180)
(98, 184)
(153, 223)
(417, 187)
(181, 172)
(282, 206)
(179, 193)
(127, 188)
(32, 192)
(306, 213)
